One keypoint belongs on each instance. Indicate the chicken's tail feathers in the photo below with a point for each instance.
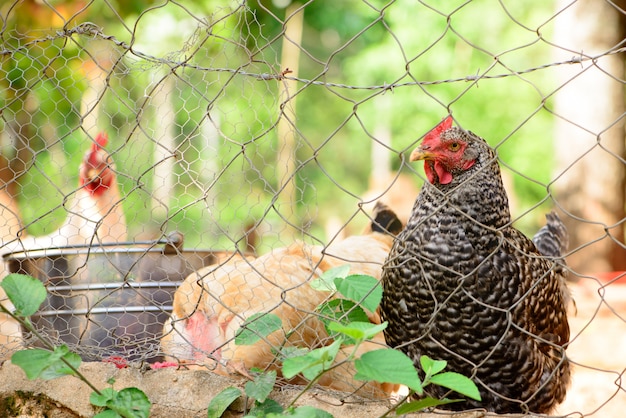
(385, 220)
(552, 240)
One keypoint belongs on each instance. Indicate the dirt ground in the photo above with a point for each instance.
(598, 349)
(173, 393)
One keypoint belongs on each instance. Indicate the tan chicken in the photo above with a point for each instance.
(212, 304)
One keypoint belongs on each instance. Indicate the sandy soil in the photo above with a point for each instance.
(598, 349)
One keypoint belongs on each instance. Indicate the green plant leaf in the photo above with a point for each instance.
(25, 292)
(431, 366)
(388, 365)
(103, 397)
(262, 386)
(358, 331)
(365, 290)
(45, 364)
(422, 404)
(326, 282)
(256, 327)
(130, 403)
(107, 413)
(341, 310)
(266, 409)
(458, 383)
(307, 411)
(220, 403)
(313, 363)
(289, 352)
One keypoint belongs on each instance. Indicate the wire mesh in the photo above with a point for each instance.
(264, 132)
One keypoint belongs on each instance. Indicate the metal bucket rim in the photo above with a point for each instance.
(105, 248)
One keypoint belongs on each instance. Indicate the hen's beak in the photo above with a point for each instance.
(420, 153)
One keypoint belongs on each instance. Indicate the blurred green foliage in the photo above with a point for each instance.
(466, 57)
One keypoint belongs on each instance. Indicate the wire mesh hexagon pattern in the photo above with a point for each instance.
(171, 169)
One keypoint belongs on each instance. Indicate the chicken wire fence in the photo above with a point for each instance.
(143, 142)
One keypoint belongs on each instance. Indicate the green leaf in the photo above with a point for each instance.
(341, 310)
(103, 397)
(45, 364)
(262, 386)
(307, 411)
(107, 413)
(266, 409)
(388, 365)
(220, 403)
(313, 363)
(422, 404)
(365, 290)
(431, 366)
(130, 403)
(25, 292)
(256, 327)
(326, 282)
(289, 352)
(458, 383)
(358, 331)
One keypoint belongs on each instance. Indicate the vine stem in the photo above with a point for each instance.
(25, 322)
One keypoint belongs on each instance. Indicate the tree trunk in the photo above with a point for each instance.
(286, 128)
(589, 145)
(164, 153)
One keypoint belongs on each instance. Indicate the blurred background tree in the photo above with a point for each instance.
(191, 94)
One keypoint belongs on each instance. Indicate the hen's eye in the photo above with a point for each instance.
(454, 146)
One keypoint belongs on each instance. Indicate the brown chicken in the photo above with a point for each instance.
(212, 304)
(461, 284)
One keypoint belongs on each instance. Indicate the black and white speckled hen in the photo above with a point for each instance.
(462, 285)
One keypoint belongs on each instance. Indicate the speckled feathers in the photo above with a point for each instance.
(461, 284)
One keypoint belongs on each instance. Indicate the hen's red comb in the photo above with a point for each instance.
(437, 130)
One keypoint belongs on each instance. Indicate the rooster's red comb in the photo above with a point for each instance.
(437, 130)
(102, 139)
(92, 155)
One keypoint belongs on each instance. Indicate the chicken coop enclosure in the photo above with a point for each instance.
(244, 145)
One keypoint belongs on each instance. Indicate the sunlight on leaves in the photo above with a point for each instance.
(390, 366)
(458, 383)
(326, 282)
(261, 387)
(420, 405)
(431, 366)
(312, 363)
(38, 363)
(256, 327)
(366, 290)
(358, 331)
(130, 402)
(220, 403)
(25, 292)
